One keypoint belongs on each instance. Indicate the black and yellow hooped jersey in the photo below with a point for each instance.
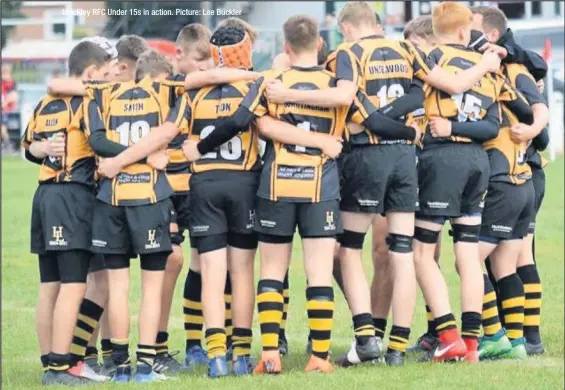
(383, 68)
(472, 105)
(294, 173)
(126, 113)
(203, 108)
(508, 160)
(62, 116)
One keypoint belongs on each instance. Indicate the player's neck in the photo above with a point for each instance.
(447, 39)
(304, 60)
(363, 32)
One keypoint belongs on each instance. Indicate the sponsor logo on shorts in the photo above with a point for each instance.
(532, 225)
(368, 202)
(330, 224)
(58, 239)
(267, 224)
(151, 243)
(438, 205)
(99, 243)
(200, 228)
(501, 228)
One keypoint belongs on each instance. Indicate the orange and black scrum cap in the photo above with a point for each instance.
(231, 47)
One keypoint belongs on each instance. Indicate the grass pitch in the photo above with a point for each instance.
(21, 368)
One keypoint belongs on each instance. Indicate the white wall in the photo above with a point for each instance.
(272, 15)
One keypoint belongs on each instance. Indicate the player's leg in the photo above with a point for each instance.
(275, 224)
(283, 343)
(108, 366)
(382, 283)
(228, 323)
(192, 310)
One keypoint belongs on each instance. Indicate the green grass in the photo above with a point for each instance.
(20, 357)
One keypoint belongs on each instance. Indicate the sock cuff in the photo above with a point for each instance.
(91, 351)
(286, 284)
(106, 344)
(120, 344)
(529, 274)
(269, 285)
(91, 309)
(488, 284)
(320, 293)
(399, 331)
(445, 318)
(242, 332)
(148, 350)
(213, 331)
(362, 319)
(470, 315)
(510, 286)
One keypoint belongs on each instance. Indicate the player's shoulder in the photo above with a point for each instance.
(514, 70)
(270, 74)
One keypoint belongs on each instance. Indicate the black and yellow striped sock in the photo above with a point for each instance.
(320, 306)
(286, 297)
(120, 352)
(532, 305)
(44, 362)
(228, 323)
(471, 325)
(241, 340)
(431, 324)
(445, 323)
(512, 296)
(91, 353)
(380, 327)
(363, 327)
(106, 347)
(162, 343)
(59, 362)
(490, 318)
(145, 354)
(398, 339)
(192, 309)
(87, 321)
(270, 305)
(216, 342)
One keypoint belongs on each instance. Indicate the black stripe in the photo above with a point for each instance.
(76, 102)
(264, 306)
(190, 326)
(177, 142)
(178, 168)
(533, 295)
(269, 327)
(386, 54)
(156, 86)
(287, 300)
(228, 323)
(513, 325)
(80, 342)
(488, 321)
(84, 326)
(532, 312)
(357, 50)
(489, 305)
(229, 91)
(321, 314)
(320, 334)
(194, 312)
(513, 310)
(54, 107)
(214, 94)
(134, 93)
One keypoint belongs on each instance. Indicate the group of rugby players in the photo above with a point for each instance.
(400, 135)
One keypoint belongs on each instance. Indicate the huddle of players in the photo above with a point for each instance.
(231, 193)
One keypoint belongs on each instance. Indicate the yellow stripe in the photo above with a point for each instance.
(513, 302)
(490, 313)
(532, 288)
(270, 316)
(514, 318)
(515, 334)
(270, 340)
(321, 345)
(194, 319)
(270, 297)
(320, 305)
(82, 334)
(227, 298)
(87, 320)
(492, 329)
(193, 334)
(491, 296)
(192, 305)
(532, 303)
(449, 323)
(398, 339)
(59, 368)
(120, 341)
(286, 293)
(321, 323)
(532, 320)
(397, 346)
(77, 349)
(228, 314)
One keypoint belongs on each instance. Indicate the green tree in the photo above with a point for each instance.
(10, 9)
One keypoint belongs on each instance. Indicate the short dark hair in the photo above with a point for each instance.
(152, 63)
(493, 18)
(130, 47)
(195, 36)
(301, 33)
(421, 26)
(84, 55)
(237, 22)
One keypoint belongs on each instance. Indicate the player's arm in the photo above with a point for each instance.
(159, 137)
(347, 74)
(66, 87)
(517, 103)
(482, 130)
(218, 76)
(526, 85)
(541, 141)
(425, 69)
(406, 103)
(35, 147)
(363, 112)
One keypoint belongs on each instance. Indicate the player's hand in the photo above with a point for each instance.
(499, 50)
(491, 60)
(541, 86)
(521, 132)
(158, 160)
(331, 146)
(419, 137)
(440, 127)
(54, 146)
(190, 150)
(109, 167)
(276, 91)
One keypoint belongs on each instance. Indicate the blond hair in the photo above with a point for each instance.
(357, 12)
(449, 16)
(422, 26)
(152, 63)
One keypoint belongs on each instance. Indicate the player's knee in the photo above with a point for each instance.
(399, 243)
(465, 233)
(426, 236)
(351, 240)
(212, 243)
(272, 239)
(175, 261)
(154, 261)
(247, 241)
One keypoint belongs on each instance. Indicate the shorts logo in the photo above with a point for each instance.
(58, 239)
(99, 243)
(501, 228)
(368, 202)
(437, 205)
(200, 228)
(267, 224)
(152, 244)
(330, 225)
